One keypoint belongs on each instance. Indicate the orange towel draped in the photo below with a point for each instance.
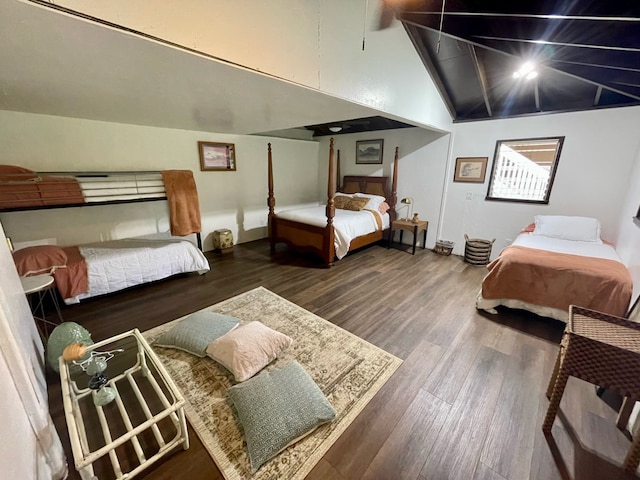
(182, 196)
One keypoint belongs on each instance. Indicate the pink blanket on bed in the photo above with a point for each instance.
(558, 280)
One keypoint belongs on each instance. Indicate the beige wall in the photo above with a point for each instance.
(313, 43)
(235, 200)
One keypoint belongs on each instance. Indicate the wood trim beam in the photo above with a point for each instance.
(482, 78)
(596, 99)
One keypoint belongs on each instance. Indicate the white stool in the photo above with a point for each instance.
(40, 284)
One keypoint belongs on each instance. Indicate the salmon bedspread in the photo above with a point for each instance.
(74, 279)
(557, 280)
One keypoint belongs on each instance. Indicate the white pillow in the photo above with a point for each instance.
(374, 200)
(584, 229)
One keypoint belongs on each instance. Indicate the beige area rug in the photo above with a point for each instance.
(348, 370)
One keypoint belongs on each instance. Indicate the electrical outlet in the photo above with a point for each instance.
(469, 196)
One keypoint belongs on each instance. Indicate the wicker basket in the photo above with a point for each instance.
(443, 247)
(477, 251)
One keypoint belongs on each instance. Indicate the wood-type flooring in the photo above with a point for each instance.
(466, 404)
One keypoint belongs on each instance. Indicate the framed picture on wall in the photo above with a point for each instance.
(369, 151)
(217, 156)
(470, 169)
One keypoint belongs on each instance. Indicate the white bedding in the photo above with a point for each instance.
(574, 247)
(559, 245)
(347, 223)
(119, 264)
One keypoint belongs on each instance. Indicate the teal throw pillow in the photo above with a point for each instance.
(194, 333)
(278, 408)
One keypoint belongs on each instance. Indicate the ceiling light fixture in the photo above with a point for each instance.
(526, 71)
(335, 129)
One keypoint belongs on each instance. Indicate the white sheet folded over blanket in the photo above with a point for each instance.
(347, 224)
(118, 264)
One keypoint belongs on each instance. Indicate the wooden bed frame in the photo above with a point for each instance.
(302, 237)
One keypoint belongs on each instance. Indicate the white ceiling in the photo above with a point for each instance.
(55, 64)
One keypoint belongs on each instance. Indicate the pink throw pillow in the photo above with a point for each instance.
(39, 260)
(383, 208)
(248, 349)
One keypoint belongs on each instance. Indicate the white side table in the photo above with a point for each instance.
(145, 422)
(38, 286)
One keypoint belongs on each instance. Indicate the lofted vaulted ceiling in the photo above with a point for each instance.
(587, 53)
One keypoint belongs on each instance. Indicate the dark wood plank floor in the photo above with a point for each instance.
(467, 403)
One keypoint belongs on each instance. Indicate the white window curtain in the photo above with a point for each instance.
(29, 444)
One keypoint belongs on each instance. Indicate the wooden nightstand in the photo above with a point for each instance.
(412, 227)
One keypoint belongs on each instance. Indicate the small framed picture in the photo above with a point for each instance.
(369, 151)
(470, 169)
(217, 156)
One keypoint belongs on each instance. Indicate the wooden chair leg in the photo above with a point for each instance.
(554, 374)
(633, 456)
(556, 366)
(625, 413)
(554, 403)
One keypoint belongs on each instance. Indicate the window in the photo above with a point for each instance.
(523, 170)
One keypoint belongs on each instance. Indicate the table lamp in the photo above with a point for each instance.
(408, 201)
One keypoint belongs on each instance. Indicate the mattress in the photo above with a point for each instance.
(347, 224)
(545, 275)
(119, 264)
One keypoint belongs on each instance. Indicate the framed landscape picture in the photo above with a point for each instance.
(217, 156)
(470, 169)
(369, 151)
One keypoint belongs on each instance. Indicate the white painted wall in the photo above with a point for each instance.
(314, 43)
(591, 180)
(235, 200)
(628, 244)
(421, 168)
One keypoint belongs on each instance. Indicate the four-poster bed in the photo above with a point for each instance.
(304, 231)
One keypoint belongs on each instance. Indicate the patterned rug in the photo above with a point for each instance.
(346, 368)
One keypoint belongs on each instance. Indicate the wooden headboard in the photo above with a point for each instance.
(364, 184)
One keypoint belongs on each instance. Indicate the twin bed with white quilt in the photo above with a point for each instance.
(561, 262)
(95, 269)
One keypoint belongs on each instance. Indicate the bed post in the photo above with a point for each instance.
(338, 184)
(394, 189)
(271, 202)
(329, 246)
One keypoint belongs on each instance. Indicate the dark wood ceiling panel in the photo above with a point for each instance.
(453, 63)
(587, 53)
(356, 125)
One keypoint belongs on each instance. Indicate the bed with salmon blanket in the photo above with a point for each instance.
(546, 274)
(89, 270)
